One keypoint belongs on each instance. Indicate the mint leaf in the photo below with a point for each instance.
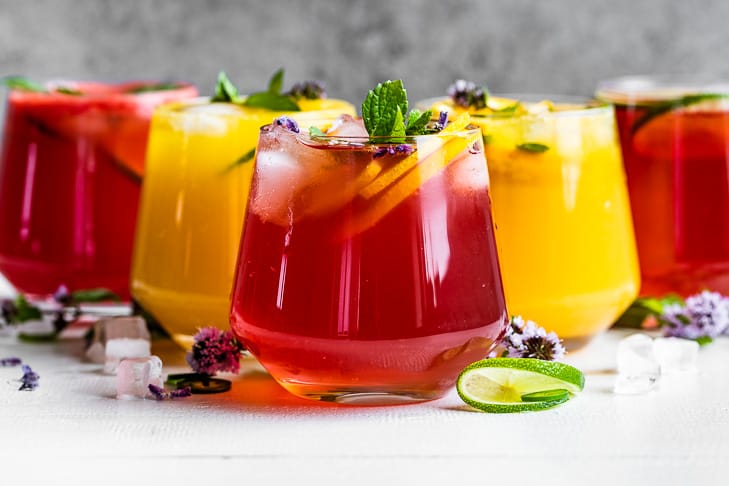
(271, 101)
(25, 311)
(246, 157)
(23, 84)
(315, 132)
(418, 122)
(398, 127)
(381, 107)
(225, 90)
(93, 295)
(276, 83)
(642, 307)
(145, 88)
(533, 147)
(704, 340)
(68, 91)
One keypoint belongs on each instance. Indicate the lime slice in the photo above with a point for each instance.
(499, 385)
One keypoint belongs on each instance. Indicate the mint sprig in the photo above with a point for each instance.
(533, 147)
(384, 112)
(23, 84)
(271, 99)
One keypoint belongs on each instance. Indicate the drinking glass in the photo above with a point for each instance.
(70, 169)
(199, 168)
(675, 139)
(565, 234)
(368, 271)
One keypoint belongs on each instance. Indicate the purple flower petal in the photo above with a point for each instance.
(288, 123)
(7, 362)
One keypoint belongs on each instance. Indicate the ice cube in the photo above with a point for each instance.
(122, 337)
(638, 369)
(212, 119)
(134, 376)
(676, 355)
(347, 126)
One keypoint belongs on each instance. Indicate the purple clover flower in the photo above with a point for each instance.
(528, 340)
(160, 393)
(442, 121)
(62, 295)
(467, 94)
(311, 90)
(214, 351)
(703, 317)
(7, 362)
(288, 123)
(29, 380)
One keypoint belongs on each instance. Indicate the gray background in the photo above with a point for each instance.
(546, 46)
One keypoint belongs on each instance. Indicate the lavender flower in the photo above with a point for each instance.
(214, 351)
(311, 90)
(402, 149)
(442, 121)
(288, 123)
(6, 362)
(160, 393)
(528, 340)
(467, 94)
(29, 380)
(703, 317)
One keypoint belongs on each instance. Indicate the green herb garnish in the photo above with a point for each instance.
(644, 307)
(25, 311)
(153, 87)
(533, 147)
(225, 90)
(23, 84)
(68, 91)
(661, 108)
(316, 132)
(271, 99)
(384, 109)
(246, 157)
(93, 295)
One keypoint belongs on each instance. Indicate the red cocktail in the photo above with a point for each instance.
(70, 171)
(675, 141)
(368, 270)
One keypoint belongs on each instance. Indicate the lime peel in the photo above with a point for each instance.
(499, 385)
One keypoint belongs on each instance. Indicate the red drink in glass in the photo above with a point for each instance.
(359, 291)
(70, 173)
(675, 141)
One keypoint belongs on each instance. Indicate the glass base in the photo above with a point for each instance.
(360, 396)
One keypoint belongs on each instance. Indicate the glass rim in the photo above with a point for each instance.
(102, 90)
(576, 106)
(648, 88)
(178, 108)
(360, 141)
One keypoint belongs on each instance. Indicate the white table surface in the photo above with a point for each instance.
(72, 430)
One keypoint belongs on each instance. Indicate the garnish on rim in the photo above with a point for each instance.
(467, 94)
(385, 113)
(272, 98)
(656, 110)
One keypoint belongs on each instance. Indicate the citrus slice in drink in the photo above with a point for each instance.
(506, 385)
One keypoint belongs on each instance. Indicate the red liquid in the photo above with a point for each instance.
(70, 173)
(677, 166)
(399, 308)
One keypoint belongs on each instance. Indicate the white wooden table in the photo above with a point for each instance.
(73, 430)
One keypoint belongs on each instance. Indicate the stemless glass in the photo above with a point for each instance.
(565, 235)
(199, 168)
(368, 271)
(70, 171)
(675, 138)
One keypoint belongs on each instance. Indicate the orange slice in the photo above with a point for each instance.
(430, 147)
(429, 166)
